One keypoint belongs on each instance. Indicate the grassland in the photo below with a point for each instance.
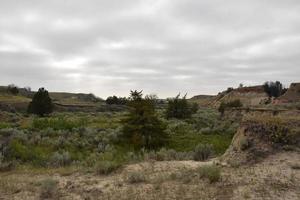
(85, 139)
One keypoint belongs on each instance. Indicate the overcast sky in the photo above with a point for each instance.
(108, 47)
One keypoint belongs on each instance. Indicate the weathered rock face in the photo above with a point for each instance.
(249, 96)
(262, 135)
(292, 95)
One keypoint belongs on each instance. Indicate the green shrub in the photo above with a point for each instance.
(48, 189)
(60, 159)
(59, 123)
(4, 125)
(167, 155)
(211, 172)
(202, 152)
(180, 108)
(135, 177)
(106, 167)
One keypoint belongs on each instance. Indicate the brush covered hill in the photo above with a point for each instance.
(63, 101)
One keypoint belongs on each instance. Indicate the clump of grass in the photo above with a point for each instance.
(135, 177)
(106, 167)
(167, 155)
(211, 172)
(48, 189)
(202, 152)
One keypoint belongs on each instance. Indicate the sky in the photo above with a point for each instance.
(109, 47)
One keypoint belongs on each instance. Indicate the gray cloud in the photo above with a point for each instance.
(160, 46)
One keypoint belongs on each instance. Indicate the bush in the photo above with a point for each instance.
(5, 166)
(202, 152)
(167, 155)
(59, 123)
(180, 108)
(211, 172)
(60, 159)
(114, 100)
(106, 167)
(48, 189)
(136, 177)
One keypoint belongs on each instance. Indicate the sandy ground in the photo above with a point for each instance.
(276, 177)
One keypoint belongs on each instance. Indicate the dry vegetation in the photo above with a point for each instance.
(77, 155)
(274, 178)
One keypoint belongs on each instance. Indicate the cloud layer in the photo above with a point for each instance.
(160, 46)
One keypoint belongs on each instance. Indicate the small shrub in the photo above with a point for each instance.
(211, 172)
(180, 108)
(59, 123)
(5, 166)
(4, 125)
(48, 188)
(60, 159)
(244, 144)
(136, 177)
(106, 167)
(202, 152)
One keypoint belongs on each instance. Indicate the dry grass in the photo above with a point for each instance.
(273, 178)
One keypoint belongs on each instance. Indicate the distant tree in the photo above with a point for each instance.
(13, 89)
(241, 85)
(142, 128)
(116, 100)
(229, 90)
(41, 103)
(180, 108)
(274, 89)
(152, 97)
(27, 89)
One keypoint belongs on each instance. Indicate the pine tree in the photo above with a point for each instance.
(142, 128)
(41, 103)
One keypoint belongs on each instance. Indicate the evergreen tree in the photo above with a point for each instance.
(274, 89)
(13, 89)
(142, 128)
(41, 103)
